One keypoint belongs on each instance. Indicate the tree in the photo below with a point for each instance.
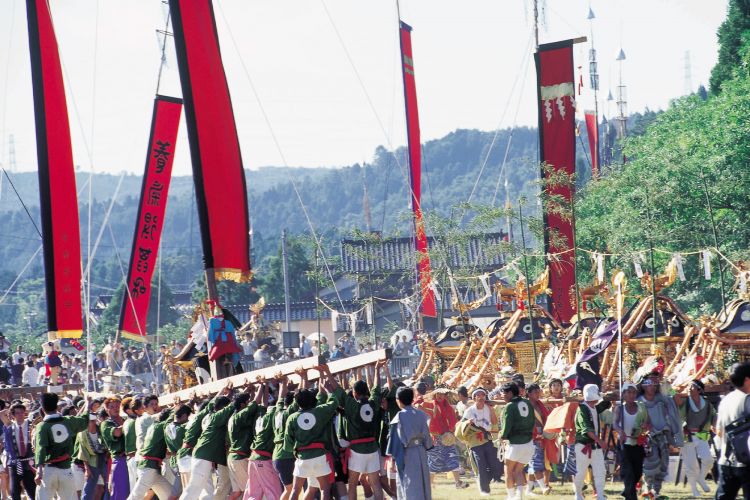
(733, 33)
(299, 267)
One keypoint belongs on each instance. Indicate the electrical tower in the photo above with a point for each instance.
(622, 101)
(11, 153)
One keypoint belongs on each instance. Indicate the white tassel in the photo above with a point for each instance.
(435, 289)
(334, 321)
(599, 266)
(637, 266)
(707, 264)
(353, 324)
(407, 303)
(454, 290)
(744, 276)
(678, 262)
(485, 278)
(368, 313)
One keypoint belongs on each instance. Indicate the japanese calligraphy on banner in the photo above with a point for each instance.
(150, 221)
(555, 80)
(424, 271)
(57, 183)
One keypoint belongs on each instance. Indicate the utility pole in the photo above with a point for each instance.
(287, 308)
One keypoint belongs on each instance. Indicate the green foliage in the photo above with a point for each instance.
(733, 35)
(299, 266)
(659, 196)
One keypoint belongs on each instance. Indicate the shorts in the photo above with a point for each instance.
(285, 469)
(312, 468)
(521, 453)
(79, 477)
(536, 464)
(183, 464)
(238, 474)
(364, 463)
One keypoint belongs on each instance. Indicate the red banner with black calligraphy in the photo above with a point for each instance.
(150, 221)
(424, 271)
(214, 147)
(592, 131)
(556, 94)
(57, 184)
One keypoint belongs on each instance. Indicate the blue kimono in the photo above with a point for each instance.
(408, 441)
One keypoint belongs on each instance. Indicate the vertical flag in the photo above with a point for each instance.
(57, 183)
(150, 221)
(218, 173)
(415, 171)
(557, 149)
(592, 130)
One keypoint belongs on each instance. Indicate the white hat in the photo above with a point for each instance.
(628, 385)
(591, 393)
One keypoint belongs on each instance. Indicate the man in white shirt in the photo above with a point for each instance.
(145, 421)
(30, 375)
(732, 473)
(18, 355)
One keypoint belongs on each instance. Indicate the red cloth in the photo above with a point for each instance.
(443, 418)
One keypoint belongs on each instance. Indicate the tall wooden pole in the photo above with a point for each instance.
(285, 267)
(653, 266)
(528, 286)
(716, 240)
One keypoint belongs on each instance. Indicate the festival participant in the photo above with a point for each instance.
(666, 430)
(520, 383)
(147, 417)
(360, 428)
(174, 434)
(210, 451)
(517, 427)
(240, 434)
(283, 460)
(733, 474)
(463, 401)
(54, 440)
(408, 441)
(262, 477)
(19, 455)
(538, 472)
(114, 439)
(306, 435)
(192, 431)
(389, 409)
(631, 426)
(479, 423)
(153, 454)
(132, 408)
(92, 452)
(697, 416)
(588, 448)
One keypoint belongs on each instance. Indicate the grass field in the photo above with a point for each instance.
(445, 490)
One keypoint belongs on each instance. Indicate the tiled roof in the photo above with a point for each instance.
(397, 254)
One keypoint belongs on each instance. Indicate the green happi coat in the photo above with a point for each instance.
(279, 427)
(193, 430)
(174, 434)
(385, 421)
(212, 443)
(241, 431)
(154, 447)
(55, 439)
(264, 433)
(312, 426)
(128, 431)
(115, 444)
(517, 422)
(362, 421)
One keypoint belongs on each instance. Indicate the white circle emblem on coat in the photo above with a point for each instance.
(259, 424)
(60, 433)
(306, 421)
(277, 420)
(523, 409)
(366, 412)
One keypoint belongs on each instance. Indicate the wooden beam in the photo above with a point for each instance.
(286, 369)
(11, 393)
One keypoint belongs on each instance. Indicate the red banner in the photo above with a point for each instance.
(415, 170)
(214, 147)
(57, 182)
(555, 80)
(150, 221)
(592, 130)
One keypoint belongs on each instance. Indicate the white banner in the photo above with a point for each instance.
(707, 264)
(435, 289)
(353, 323)
(599, 258)
(485, 278)
(637, 259)
(678, 262)
(368, 312)
(334, 321)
